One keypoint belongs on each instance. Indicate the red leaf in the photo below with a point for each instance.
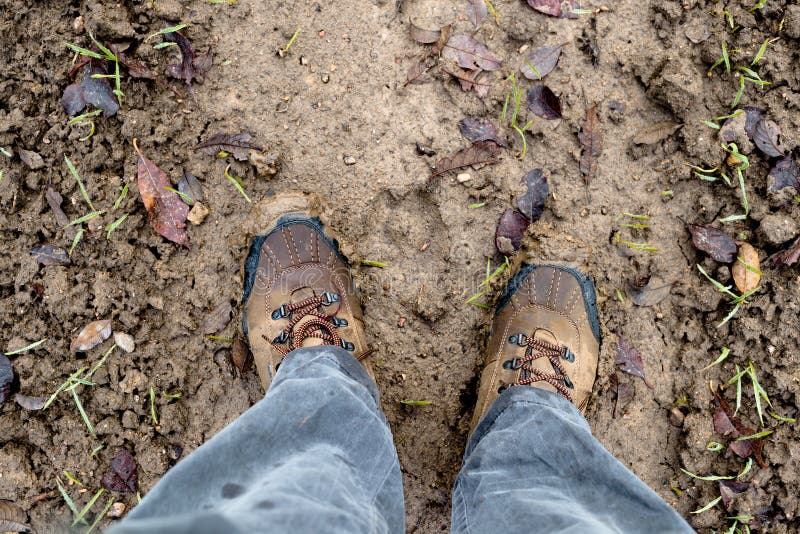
(716, 243)
(121, 475)
(531, 204)
(629, 360)
(479, 129)
(476, 11)
(510, 229)
(785, 173)
(542, 59)
(166, 211)
(788, 257)
(722, 424)
(556, 8)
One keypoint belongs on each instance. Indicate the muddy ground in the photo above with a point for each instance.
(336, 118)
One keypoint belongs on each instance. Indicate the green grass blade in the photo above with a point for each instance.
(67, 498)
(83, 413)
(709, 506)
(87, 217)
(101, 515)
(84, 51)
(27, 348)
(80, 182)
(85, 509)
(236, 183)
(113, 226)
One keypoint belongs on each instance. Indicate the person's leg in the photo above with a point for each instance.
(315, 455)
(531, 462)
(532, 465)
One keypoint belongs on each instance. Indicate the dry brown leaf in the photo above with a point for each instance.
(591, 144)
(476, 153)
(746, 269)
(12, 518)
(166, 211)
(92, 335)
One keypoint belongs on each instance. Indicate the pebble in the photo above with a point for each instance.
(124, 341)
(349, 160)
(198, 213)
(463, 177)
(116, 510)
(676, 417)
(325, 78)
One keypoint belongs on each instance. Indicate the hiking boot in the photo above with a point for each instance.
(298, 290)
(545, 334)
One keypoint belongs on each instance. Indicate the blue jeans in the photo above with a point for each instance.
(316, 455)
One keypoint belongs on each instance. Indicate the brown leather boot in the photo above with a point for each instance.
(298, 289)
(545, 334)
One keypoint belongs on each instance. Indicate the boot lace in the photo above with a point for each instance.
(535, 349)
(316, 324)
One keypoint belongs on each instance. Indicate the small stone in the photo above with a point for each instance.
(463, 177)
(116, 510)
(124, 341)
(676, 417)
(303, 60)
(777, 228)
(401, 322)
(198, 213)
(78, 24)
(349, 160)
(325, 78)
(423, 247)
(267, 164)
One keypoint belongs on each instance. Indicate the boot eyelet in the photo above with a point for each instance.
(280, 313)
(329, 298)
(346, 345)
(281, 338)
(568, 355)
(338, 322)
(568, 382)
(518, 339)
(513, 364)
(502, 388)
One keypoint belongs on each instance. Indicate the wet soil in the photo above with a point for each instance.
(337, 119)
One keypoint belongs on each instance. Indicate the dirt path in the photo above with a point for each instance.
(337, 118)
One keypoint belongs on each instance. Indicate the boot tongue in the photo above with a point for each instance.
(543, 364)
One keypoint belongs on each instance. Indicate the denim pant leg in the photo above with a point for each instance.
(532, 465)
(315, 455)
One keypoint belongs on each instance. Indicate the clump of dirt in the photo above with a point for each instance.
(334, 116)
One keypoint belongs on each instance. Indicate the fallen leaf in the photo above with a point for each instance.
(510, 229)
(136, 68)
(423, 36)
(470, 80)
(655, 133)
(476, 11)
(191, 66)
(237, 144)
(92, 335)
(30, 158)
(717, 244)
(629, 360)
(745, 448)
(417, 72)
(649, 293)
(190, 186)
(12, 518)
(746, 279)
(217, 319)
(543, 59)
(121, 475)
(785, 173)
(730, 489)
(479, 129)
(30, 403)
(477, 153)
(767, 137)
(591, 144)
(470, 53)
(624, 393)
(50, 255)
(54, 200)
(543, 102)
(94, 91)
(240, 355)
(6, 377)
(166, 211)
(531, 204)
(722, 423)
(556, 8)
(124, 341)
(753, 116)
(789, 256)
